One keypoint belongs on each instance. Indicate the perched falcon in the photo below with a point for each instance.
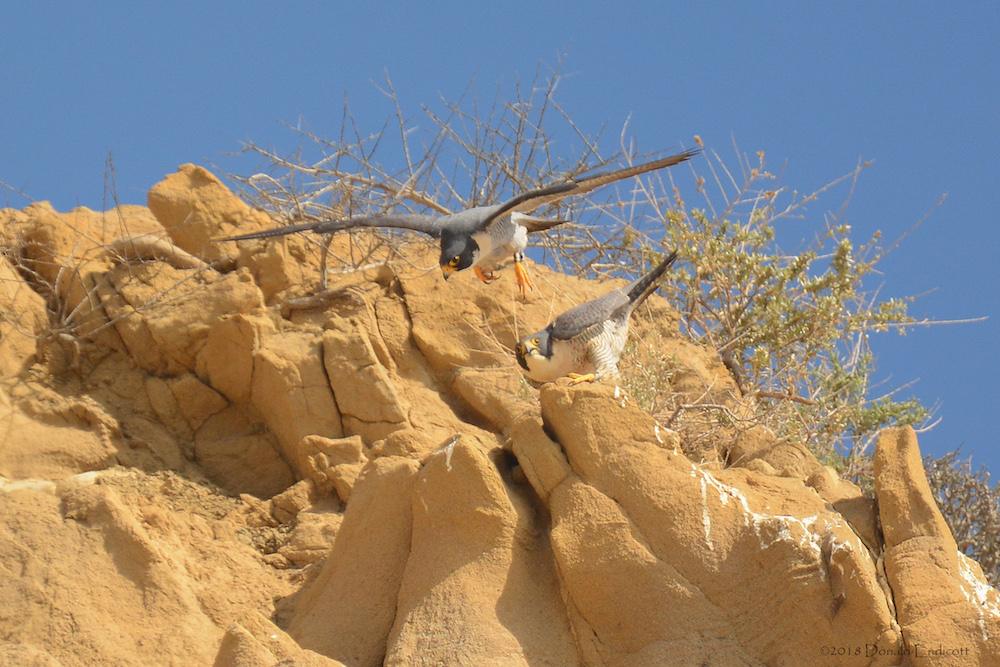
(483, 236)
(585, 342)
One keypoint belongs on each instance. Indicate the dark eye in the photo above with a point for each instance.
(454, 261)
(534, 341)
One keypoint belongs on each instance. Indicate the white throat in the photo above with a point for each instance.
(561, 364)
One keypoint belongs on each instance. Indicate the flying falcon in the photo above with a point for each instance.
(483, 236)
(585, 342)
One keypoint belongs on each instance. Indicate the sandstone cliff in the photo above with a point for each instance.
(199, 465)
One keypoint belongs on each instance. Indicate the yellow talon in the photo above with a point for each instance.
(523, 279)
(577, 378)
(486, 276)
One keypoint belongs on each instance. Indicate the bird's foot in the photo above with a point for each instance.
(523, 279)
(486, 276)
(576, 378)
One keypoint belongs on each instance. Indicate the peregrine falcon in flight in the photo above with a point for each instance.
(483, 236)
(585, 342)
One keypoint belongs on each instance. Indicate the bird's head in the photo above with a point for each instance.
(534, 348)
(458, 252)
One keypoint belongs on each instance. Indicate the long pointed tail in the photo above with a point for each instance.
(646, 285)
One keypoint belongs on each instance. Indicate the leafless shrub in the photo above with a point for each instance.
(68, 264)
(470, 156)
(793, 326)
(970, 506)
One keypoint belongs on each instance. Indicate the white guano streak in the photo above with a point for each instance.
(754, 520)
(978, 593)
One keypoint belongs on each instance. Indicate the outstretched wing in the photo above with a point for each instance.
(267, 233)
(532, 200)
(425, 224)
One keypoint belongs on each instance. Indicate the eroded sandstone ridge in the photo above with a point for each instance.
(196, 470)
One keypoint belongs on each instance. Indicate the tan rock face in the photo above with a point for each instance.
(64, 255)
(363, 572)
(366, 396)
(120, 573)
(47, 436)
(194, 206)
(949, 615)
(23, 322)
(188, 476)
(290, 388)
(163, 314)
(698, 551)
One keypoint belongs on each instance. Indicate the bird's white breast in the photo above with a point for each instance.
(502, 239)
(566, 358)
(485, 260)
(519, 239)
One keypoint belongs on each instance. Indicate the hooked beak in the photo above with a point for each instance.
(522, 356)
(447, 270)
(526, 350)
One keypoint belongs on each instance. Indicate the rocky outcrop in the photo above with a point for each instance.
(24, 324)
(947, 612)
(191, 476)
(124, 568)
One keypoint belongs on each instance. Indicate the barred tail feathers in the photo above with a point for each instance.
(639, 290)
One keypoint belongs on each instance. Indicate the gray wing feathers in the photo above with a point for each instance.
(479, 218)
(577, 320)
(267, 233)
(590, 183)
(417, 222)
(425, 224)
(530, 201)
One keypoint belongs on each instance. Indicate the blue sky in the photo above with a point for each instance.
(912, 87)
